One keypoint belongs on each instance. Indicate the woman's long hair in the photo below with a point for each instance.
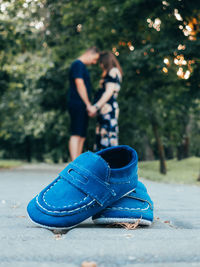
(109, 61)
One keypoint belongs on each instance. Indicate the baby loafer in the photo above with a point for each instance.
(85, 187)
(136, 206)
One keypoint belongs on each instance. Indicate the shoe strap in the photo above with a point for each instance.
(88, 182)
(135, 195)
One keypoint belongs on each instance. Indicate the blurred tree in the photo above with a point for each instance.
(157, 44)
(148, 37)
(23, 59)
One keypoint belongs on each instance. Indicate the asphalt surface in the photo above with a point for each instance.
(172, 240)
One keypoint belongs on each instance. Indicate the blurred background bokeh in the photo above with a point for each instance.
(157, 43)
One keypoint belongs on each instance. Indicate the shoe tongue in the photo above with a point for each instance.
(93, 163)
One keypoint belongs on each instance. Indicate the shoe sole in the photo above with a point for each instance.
(121, 220)
(51, 227)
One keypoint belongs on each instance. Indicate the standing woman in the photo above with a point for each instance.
(106, 102)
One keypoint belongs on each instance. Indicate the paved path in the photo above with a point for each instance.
(173, 239)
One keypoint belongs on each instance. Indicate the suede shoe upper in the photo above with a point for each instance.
(86, 186)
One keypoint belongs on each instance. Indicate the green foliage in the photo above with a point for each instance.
(40, 39)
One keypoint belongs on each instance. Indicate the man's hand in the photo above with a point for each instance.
(91, 111)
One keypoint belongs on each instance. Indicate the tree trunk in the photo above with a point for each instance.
(186, 147)
(183, 149)
(163, 168)
(180, 152)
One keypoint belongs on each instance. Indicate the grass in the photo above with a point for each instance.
(7, 164)
(185, 171)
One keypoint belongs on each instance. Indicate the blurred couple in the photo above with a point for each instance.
(105, 105)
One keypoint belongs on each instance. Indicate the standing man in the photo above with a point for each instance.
(79, 100)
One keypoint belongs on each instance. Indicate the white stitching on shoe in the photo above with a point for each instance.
(105, 198)
(77, 203)
(60, 206)
(49, 211)
(122, 208)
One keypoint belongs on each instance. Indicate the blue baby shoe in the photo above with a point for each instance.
(136, 205)
(85, 187)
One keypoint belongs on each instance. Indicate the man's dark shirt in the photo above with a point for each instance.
(78, 70)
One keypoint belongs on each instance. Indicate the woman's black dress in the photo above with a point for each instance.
(107, 119)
